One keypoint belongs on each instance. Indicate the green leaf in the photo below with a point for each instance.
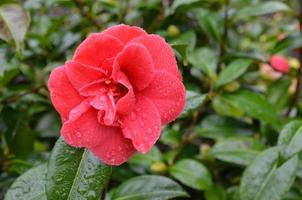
(14, 22)
(189, 38)
(278, 93)
(292, 41)
(222, 106)
(192, 173)
(75, 173)
(29, 186)
(234, 70)
(183, 5)
(182, 49)
(209, 22)
(240, 151)
(254, 105)
(205, 60)
(219, 128)
(263, 179)
(193, 101)
(216, 192)
(262, 8)
(146, 159)
(290, 138)
(148, 187)
(288, 132)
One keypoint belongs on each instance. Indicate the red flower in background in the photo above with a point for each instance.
(279, 63)
(115, 93)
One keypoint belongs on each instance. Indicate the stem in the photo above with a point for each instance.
(224, 35)
(299, 74)
(86, 14)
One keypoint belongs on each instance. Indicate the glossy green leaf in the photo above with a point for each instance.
(262, 8)
(75, 173)
(146, 159)
(182, 49)
(189, 38)
(29, 186)
(240, 151)
(292, 41)
(192, 173)
(183, 5)
(14, 21)
(278, 93)
(222, 106)
(193, 101)
(148, 187)
(216, 192)
(234, 70)
(290, 138)
(205, 60)
(219, 127)
(210, 23)
(288, 132)
(264, 179)
(254, 105)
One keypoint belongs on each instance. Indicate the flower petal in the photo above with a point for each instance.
(124, 32)
(162, 54)
(83, 130)
(142, 125)
(63, 95)
(96, 49)
(136, 62)
(126, 103)
(168, 95)
(114, 149)
(81, 74)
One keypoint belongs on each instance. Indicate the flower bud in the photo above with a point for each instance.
(232, 86)
(173, 31)
(159, 167)
(279, 63)
(204, 149)
(294, 63)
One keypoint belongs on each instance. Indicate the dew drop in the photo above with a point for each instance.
(144, 115)
(149, 130)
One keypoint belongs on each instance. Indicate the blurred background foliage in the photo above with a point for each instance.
(240, 135)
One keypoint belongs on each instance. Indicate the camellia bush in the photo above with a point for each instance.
(150, 99)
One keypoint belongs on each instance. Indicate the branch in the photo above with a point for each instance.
(86, 14)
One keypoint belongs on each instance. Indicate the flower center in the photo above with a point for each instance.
(104, 95)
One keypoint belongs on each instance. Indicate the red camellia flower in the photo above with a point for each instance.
(279, 63)
(115, 93)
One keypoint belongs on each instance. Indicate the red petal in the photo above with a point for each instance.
(83, 130)
(142, 125)
(114, 149)
(63, 96)
(81, 75)
(136, 62)
(168, 95)
(96, 49)
(161, 53)
(126, 103)
(124, 33)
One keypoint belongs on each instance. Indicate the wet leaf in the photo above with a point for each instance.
(75, 173)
